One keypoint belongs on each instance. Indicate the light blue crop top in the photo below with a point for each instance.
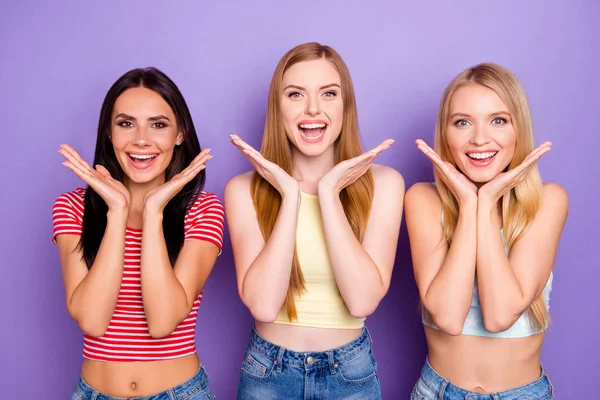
(474, 322)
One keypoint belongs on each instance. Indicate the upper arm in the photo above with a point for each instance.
(246, 238)
(532, 256)
(66, 217)
(428, 244)
(203, 243)
(383, 227)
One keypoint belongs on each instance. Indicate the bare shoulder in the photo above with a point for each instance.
(555, 198)
(238, 188)
(239, 182)
(387, 178)
(424, 193)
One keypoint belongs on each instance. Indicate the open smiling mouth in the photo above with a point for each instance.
(312, 133)
(142, 161)
(482, 158)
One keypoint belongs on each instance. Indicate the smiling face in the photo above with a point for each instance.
(144, 134)
(480, 133)
(311, 106)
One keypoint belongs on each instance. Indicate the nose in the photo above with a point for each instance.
(141, 137)
(480, 135)
(312, 106)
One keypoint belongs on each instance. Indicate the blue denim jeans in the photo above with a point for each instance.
(273, 372)
(196, 388)
(431, 386)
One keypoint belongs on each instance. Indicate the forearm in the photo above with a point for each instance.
(266, 282)
(501, 297)
(357, 276)
(448, 297)
(164, 298)
(93, 302)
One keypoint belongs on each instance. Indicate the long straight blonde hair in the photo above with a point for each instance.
(521, 204)
(356, 199)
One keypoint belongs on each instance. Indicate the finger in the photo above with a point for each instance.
(432, 155)
(81, 173)
(200, 159)
(74, 155)
(103, 171)
(71, 158)
(258, 158)
(240, 144)
(382, 146)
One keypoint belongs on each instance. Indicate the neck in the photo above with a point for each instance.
(308, 170)
(138, 191)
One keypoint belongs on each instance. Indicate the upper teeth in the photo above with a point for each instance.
(142, 156)
(312, 126)
(481, 156)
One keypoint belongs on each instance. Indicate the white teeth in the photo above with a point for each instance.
(142, 156)
(312, 126)
(482, 156)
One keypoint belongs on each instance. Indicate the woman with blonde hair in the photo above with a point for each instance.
(483, 240)
(314, 231)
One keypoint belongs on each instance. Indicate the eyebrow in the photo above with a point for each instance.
(155, 118)
(321, 88)
(468, 116)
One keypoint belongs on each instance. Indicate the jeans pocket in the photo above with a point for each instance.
(422, 391)
(415, 395)
(257, 366)
(359, 370)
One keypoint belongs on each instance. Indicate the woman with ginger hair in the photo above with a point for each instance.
(314, 231)
(483, 241)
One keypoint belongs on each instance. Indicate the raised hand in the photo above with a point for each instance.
(462, 188)
(348, 171)
(157, 199)
(115, 195)
(271, 172)
(500, 185)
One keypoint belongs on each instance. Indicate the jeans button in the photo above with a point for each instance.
(310, 360)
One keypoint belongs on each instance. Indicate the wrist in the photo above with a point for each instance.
(152, 214)
(118, 214)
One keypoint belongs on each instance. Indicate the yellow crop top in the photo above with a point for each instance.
(321, 305)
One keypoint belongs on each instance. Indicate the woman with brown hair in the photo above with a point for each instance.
(314, 231)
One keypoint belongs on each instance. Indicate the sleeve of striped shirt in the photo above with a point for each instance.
(205, 220)
(67, 214)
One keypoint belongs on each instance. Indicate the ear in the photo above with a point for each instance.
(179, 139)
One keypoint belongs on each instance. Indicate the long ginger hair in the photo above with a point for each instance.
(356, 198)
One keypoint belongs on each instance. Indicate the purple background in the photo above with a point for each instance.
(58, 59)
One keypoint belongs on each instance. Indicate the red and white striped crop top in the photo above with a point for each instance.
(127, 337)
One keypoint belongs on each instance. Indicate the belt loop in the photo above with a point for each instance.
(365, 330)
(279, 358)
(331, 361)
(171, 394)
(443, 389)
(95, 395)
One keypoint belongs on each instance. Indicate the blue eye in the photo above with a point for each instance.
(330, 94)
(462, 122)
(294, 95)
(499, 121)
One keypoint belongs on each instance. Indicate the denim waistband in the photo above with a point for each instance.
(199, 380)
(310, 359)
(434, 381)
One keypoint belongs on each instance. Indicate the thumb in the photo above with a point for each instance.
(103, 171)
